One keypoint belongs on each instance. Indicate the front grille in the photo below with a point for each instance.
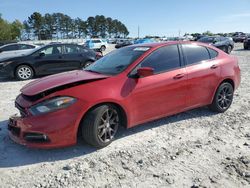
(22, 111)
(36, 137)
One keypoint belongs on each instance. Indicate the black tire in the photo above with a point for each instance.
(229, 49)
(223, 98)
(245, 47)
(24, 72)
(86, 64)
(103, 48)
(98, 131)
(224, 49)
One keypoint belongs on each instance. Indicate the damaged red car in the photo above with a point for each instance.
(127, 87)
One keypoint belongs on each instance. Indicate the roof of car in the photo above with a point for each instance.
(10, 44)
(159, 44)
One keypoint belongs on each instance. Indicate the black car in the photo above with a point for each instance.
(49, 59)
(124, 43)
(239, 37)
(246, 43)
(222, 43)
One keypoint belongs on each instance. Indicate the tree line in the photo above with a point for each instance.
(58, 25)
(9, 30)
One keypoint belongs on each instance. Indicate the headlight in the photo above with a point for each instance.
(52, 105)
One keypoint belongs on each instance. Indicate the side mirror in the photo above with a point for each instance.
(41, 54)
(145, 71)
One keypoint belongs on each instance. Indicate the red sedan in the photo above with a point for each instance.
(127, 87)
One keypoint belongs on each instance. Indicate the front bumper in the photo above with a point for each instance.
(59, 129)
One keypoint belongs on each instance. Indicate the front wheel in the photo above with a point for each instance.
(100, 125)
(87, 64)
(223, 98)
(24, 72)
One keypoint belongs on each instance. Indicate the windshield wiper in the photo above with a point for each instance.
(92, 71)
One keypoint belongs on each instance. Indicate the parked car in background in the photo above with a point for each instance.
(14, 49)
(222, 43)
(100, 44)
(124, 43)
(246, 43)
(127, 87)
(49, 59)
(239, 37)
(143, 41)
(112, 41)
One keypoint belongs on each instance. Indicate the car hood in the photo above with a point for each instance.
(56, 81)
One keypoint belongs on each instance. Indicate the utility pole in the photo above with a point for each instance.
(138, 31)
(179, 33)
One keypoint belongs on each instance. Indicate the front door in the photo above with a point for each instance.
(161, 94)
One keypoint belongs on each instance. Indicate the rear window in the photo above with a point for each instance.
(195, 54)
(25, 46)
(10, 47)
(207, 39)
(96, 41)
(213, 53)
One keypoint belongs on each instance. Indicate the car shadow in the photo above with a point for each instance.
(240, 50)
(7, 79)
(12, 154)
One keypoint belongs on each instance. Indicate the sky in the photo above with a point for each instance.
(154, 17)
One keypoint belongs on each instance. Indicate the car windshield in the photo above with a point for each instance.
(117, 61)
(206, 39)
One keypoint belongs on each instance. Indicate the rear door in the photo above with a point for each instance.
(51, 61)
(73, 56)
(203, 72)
(162, 93)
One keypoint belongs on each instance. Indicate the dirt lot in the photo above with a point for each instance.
(197, 148)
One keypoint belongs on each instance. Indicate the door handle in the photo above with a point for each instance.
(178, 76)
(214, 66)
(60, 56)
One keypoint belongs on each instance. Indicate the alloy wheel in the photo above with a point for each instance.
(24, 73)
(108, 125)
(225, 97)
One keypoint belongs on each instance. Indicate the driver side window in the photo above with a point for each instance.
(52, 50)
(162, 60)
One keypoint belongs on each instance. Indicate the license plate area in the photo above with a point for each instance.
(12, 126)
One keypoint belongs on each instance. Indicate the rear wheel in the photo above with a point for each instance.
(229, 49)
(100, 125)
(224, 49)
(103, 48)
(24, 72)
(223, 98)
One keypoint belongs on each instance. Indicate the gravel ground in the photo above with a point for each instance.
(197, 148)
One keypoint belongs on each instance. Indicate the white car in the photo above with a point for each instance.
(15, 49)
(97, 44)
